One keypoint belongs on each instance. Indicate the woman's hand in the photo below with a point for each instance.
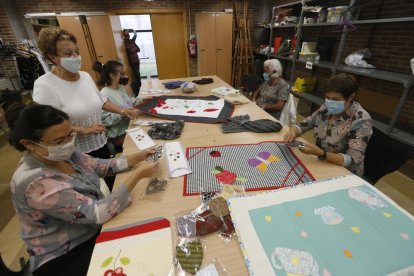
(292, 134)
(311, 149)
(95, 129)
(146, 169)
(130, 113)
(140, 156)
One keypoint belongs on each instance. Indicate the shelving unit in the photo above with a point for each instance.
(406, 80)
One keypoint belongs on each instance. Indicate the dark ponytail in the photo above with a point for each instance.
(29, 122)
(106, 69)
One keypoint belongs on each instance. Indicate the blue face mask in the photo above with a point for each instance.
(335, 107)
(266, 76)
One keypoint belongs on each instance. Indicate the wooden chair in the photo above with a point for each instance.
(384, 155)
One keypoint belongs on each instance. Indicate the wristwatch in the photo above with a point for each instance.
(323, 156)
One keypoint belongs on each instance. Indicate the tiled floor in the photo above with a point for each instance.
(397, 186)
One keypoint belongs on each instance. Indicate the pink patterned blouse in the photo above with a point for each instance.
(59, 211)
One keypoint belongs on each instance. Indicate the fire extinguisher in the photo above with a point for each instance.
(192, 46)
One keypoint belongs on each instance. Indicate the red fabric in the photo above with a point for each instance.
(132, 231)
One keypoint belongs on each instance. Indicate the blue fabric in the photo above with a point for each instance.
(173, 84)
(343, 235)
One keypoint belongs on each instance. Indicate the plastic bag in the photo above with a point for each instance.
(198, 222)
(155, 189)
(189, 254)
(304, 84)
(356, 59)
(214, 268)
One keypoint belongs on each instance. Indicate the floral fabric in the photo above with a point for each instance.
(348, 134)
(59, 211)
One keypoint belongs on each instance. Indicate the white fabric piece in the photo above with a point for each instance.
(288, 114)
(223, 90)
(140, 138)
(176, 160)
(80, 99)
(143, 254)
(144, 91)
(182, 107)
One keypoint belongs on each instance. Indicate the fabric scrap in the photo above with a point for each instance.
(166, 131)
(173, 84)
(242, 123)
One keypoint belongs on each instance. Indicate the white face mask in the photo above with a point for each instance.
(60, 152)
(72, 64)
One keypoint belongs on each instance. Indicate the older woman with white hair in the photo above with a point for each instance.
(273, 94)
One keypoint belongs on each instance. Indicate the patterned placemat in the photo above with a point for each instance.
(262, 166)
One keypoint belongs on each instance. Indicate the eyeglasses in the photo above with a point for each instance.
(62, 140)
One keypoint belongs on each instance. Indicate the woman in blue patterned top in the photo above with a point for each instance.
(56, 190)
(342, 127)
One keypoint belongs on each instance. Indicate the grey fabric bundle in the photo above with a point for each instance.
(242, 123)
(166, 131)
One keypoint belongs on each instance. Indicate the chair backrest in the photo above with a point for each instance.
(288, 114)
(384, 155)
(5, 271)
(250, 83)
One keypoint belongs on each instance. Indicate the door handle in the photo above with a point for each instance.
(219, 49)
(201, 50)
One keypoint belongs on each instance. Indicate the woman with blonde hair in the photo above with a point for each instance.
(74, 92)
(273, 94)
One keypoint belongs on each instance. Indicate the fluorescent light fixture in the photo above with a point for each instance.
(40, 14)
(53, 14)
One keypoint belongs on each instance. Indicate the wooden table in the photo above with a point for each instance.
(196, 134)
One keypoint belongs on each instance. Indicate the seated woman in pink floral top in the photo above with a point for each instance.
(342, 127)
(56, 190)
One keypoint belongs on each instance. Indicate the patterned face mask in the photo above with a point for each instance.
(266, 76)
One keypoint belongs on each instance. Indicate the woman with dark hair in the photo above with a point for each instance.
(56, 190)
(114, 78)
(342, 127)
(74, 92)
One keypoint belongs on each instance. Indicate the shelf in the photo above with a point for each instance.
(405, 79)
(396, 133)
(289, 4)
(273, 56)
(384, 20)
(309, 97)
(320, 63)
(319, 24)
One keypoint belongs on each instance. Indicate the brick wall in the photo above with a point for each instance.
(7, 35)
(391, 45)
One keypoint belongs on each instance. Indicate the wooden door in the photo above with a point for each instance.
(206, 43)
(169, 33)
(223, 49)
(73, 25)
(102, 37)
